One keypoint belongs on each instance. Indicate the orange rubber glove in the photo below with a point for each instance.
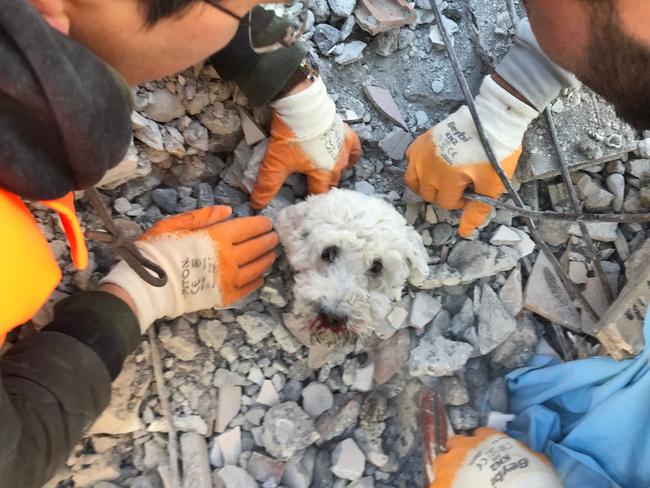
(449, 158)
(211, 262)
(491, 459)
(307, 136)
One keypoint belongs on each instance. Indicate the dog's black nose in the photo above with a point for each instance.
(332, 319)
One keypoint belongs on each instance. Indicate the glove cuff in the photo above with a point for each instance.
(531, 72)
(309, 113)
(152, 303)
(504, 117)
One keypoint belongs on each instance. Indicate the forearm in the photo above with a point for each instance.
(55, 384)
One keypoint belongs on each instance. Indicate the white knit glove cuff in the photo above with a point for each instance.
(308, 113)
(504, 117)
(531, 72)
(192, 278)
(311, 116)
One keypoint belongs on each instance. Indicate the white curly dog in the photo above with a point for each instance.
(352, 255)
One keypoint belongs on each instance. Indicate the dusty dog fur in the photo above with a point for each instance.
(352, 255)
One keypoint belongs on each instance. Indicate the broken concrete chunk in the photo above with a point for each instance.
(268, 395)
(396, 143)
(196, 467)
(350, 52)
(256, 325)
(316, 398)
(476, 259)
(599, 231)
(375, 16)
(505, 236)
(546, 296)
(578, 272)
(230, 445)
(233, 477)
(519, 347)
(348, 461)
(390, 356)
(383, 101)
(436, 37)
(424, 309)
(264, 469)
(439, 275)
(164, 106)
(252, 132)
(597, 298)
(228, 406)
(287, 429)
(495, 324)
(454, 391)
(511, 294)
(438, 357)
(620, 329)
(326, 37)
(594, 117)
(130, 168)
(463, 418)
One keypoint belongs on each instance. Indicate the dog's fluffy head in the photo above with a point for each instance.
(353, 255)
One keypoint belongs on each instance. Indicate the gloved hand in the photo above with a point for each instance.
(449, 158)
(490, 459)
(211, 262)
(307, 136)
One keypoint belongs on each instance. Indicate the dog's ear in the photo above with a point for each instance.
(417, 257)
(290, 223)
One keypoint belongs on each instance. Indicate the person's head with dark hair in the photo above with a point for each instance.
(147, 39)
(605, 43)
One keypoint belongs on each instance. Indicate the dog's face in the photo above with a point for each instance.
(353, 255)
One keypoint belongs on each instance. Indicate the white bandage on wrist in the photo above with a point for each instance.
(531, 72)
(192, 278)
(504, 117)
(311, 116)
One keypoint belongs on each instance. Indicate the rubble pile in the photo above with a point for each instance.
(251, 410)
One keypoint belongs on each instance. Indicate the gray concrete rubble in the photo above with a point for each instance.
(256, 400)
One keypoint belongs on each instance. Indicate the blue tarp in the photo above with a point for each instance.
(591, 417)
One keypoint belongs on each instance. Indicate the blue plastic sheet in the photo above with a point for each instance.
(591, 418)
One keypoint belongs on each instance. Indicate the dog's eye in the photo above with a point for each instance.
(376, 267)
(330, 254)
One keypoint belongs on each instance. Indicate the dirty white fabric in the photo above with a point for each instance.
(531, 72)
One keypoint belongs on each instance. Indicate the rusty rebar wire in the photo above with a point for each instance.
(114, 237)
(563, 216)
(592, 250)
(572, 289)
(163, 397)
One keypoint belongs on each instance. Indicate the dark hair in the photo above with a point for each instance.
(161, 9)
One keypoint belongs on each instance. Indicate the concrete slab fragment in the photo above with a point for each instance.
(383, 101)
(546, 296)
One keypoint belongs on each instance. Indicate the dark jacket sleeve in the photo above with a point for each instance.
(259, 76)
(54, 385)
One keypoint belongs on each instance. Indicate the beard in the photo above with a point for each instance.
(617, 67)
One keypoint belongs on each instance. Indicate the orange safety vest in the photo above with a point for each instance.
(28, 271)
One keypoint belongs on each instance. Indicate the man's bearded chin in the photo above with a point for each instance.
(617, 67)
